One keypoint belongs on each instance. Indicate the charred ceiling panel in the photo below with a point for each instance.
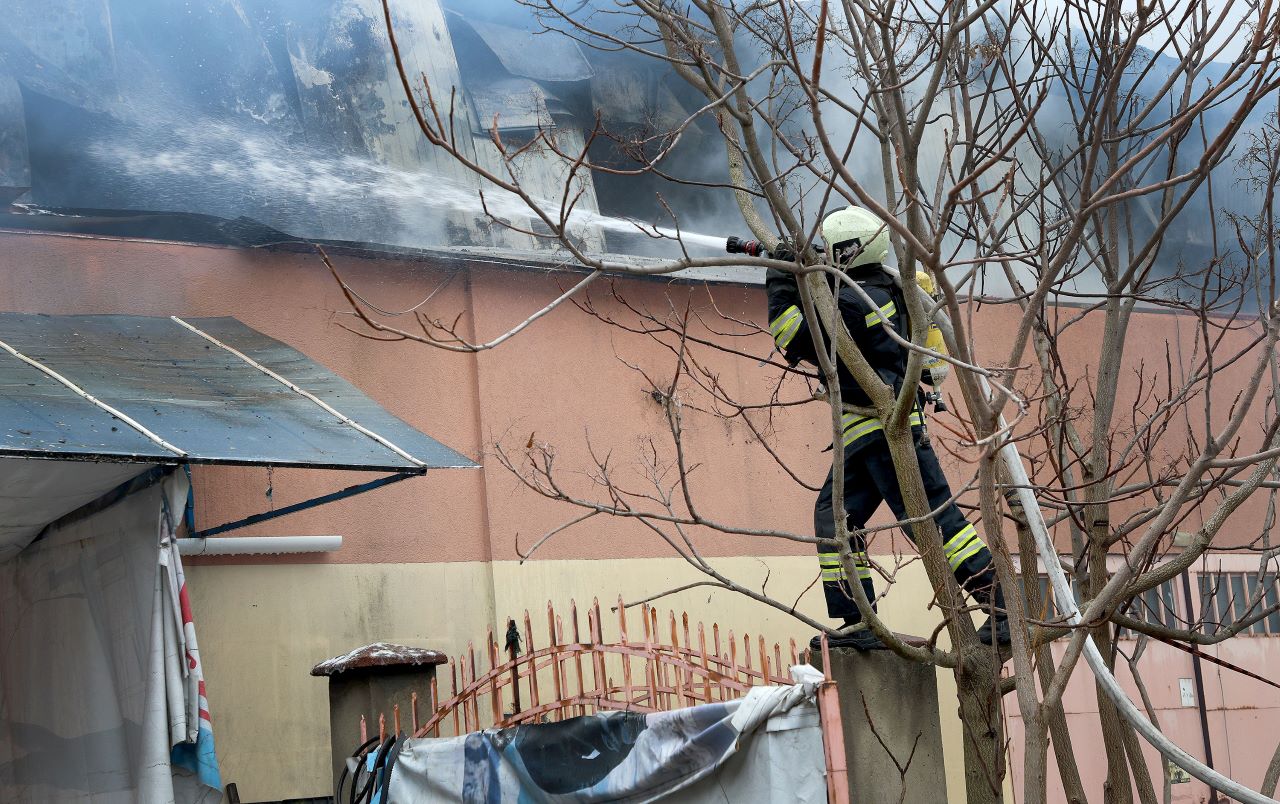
(526, 85)
(62, 49)
(542, 57)
(511, 104)
(342, 61)
(528, 79)
(14, 171)
(628, 94)
(210, 57)
(148, 104)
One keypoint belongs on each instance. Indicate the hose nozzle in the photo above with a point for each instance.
(752, 248)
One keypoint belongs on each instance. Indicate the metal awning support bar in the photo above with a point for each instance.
(83, 394)
(349, 491)
(301, 392)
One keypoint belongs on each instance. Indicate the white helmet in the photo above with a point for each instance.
(854, 237)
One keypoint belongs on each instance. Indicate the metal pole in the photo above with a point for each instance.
(1197, 671)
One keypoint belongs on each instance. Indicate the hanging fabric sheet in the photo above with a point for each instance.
(101, 691)
(190, 727)
(764, 748)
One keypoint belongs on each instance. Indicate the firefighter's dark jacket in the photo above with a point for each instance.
(792, 336)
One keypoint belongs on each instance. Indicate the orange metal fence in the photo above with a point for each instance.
(657, 664)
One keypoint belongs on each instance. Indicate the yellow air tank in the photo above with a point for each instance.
(939, 369)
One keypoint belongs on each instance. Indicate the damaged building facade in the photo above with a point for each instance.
(435, 561)
(166, 159)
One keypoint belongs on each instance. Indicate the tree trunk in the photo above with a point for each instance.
(982, 728)
(1118, 788)
(1141, 773)
(977, 674)
(1054, 716)
(1272, 776)
(1060, 735)
(1035, 764)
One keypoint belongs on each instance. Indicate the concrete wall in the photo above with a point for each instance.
(431, 561)
(889, 716)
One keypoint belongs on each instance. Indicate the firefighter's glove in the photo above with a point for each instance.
(783, 251)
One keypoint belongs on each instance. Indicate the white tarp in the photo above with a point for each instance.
(765, 748)
(34, 493)
(101, 697)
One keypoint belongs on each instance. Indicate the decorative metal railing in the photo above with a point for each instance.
(566, 671)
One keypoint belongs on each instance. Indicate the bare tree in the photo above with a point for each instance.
(1040, 157)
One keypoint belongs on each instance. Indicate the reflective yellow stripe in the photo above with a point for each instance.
(785, 338)
(776, 325)
(856, 427)
(977, 547)
(864, 574)
(860, 431)
(960, 538)
(833, 559)
(833, 570)
(848, 420)
(962, 545)
(785, 326)
(887, 310)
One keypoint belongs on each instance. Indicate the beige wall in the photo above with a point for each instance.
(262, 628)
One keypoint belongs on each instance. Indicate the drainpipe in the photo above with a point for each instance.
(1198, 673)
(258, 545)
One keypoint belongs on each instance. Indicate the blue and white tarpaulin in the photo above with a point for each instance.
(765, 748)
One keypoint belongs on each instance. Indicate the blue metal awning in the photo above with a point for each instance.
(155, 390)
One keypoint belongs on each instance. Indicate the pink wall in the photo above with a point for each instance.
(566, 380)
(1242, 711)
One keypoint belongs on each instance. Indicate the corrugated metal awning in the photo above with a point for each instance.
(201, 391)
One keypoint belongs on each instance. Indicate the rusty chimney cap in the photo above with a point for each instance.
(379, 654)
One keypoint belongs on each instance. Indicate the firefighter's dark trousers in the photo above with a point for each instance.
(869, 479)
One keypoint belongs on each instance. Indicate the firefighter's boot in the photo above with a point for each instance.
(865, 639)
(995, 631)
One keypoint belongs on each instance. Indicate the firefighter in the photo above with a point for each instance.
(858, 243)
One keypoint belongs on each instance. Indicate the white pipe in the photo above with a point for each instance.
(258, 545)
(1066, 602)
